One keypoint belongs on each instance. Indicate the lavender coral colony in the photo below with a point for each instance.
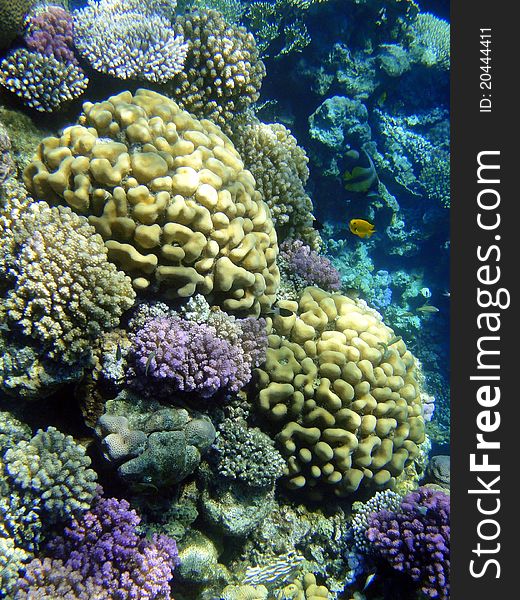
(192, 367)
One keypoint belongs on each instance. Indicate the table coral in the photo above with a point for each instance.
(170, 196)
(342, 395)
(130, 40)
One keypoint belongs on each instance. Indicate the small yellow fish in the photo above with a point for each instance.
(361, 228)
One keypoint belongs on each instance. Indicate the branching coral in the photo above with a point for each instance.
(101, 555)
(222, 73)
(49, 32)
(53, 468)
(279, 166)
(64, 293)
(415, 540)
(247, 454)
(305, 267)
(42, 82)
(130, 40)
(180, 356)
(431, 41)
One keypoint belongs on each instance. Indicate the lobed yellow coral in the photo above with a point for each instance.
(342, 393)
(169, 195)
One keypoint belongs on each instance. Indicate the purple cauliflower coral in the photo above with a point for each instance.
(49, 32)
(415, 540)
(308, 266)
(184, 356)
(100, 555)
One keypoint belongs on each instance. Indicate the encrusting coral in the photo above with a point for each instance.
(152, 445)
(342, 395)
(170, 196)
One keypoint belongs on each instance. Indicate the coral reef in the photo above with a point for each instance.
(222, 72)
(415, 540)
(342, 395)
(42, 82)
(170, 197)
(279, 167)
(63, 292)
(152, 446)
(100, 555)
(130, 40)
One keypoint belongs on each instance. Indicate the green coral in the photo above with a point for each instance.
(280, 26)
(11, 24)
(431, 41)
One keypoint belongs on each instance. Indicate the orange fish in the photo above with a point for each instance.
(361, 228)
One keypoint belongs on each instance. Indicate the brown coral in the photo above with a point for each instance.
(222, 72)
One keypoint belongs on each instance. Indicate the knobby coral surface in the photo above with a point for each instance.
(170, 196)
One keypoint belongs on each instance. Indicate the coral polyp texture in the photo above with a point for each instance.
(222, 73)
(342, 395)
(62, 292)
(305, 267)
(415, 539)
(279, 166)
(169, 195)
(40, 81)
(102, 556)
(49, 31)
(130, 40)
(11, 23)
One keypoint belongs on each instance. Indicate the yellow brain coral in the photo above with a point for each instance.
(169, 195)
(342, 393)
